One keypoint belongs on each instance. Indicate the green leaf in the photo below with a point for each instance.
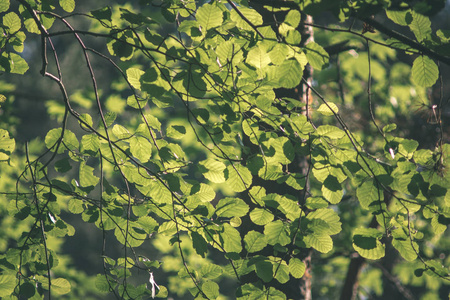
(63, 165)
(4, 5)
(238, 177)
(87, 178)
(7, 145)
(213, 170)
(211, 289)
(61, 286)
(398, 16)
(261, 216)
(135, 18)
(317, 57)
(289, 74)
(67, 5)
(103, 13)
(75, 206)
(231, 239)
(389, 127)
(264, 270)
(90, 144)
(152, 121)
(258, 56)
(420, 26)
(17, 64)
(424, 71)
(202, 192)
(405, 248)
(211, 271)
(277, 233)
(121, 132)
(176, 131)
(296, 267)
(281, 271)
(12, 21)
(254, 241)
(330, 217)
(231, 207)
(134, 77)
(101, 283)
(141, 148)
(328, 110)
(367, 193)
(332, 190)
(293, 18)
(366, 243)
(199, 244)
(331, 132)
(321, 242)
(209, 16)
(69, 141)
(7, 285)
(252, 15)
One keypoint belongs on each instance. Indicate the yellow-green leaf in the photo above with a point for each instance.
(424, 71)
(328, 109)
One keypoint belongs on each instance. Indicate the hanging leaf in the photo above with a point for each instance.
(231, 239)
(231, 207)
(67, 5)
(321, 242)
(238, 177)
(328, 109)
(296, 267)
(420, 26)
(141, 148)
(289, 74)
(211, 289)
(12, 22)
(61, 286)
(331, 132)
(209, 16)
(424, 71)
(317, 57)
(276, 233)
(7, 145)
(254, 241)
(7, 285)
(332, 190)
(366, 243)
(86, 176)
(261, 216)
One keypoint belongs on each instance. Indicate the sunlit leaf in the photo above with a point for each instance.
(328, 109)
(424, 71)
(420, 26)
(208, 16)
(296, 267)
(238, 177)
(61, 286)
(261, 216)
(276, 233)
(254, 241)
(211, 289)
(317, 56)
(67, 5)
(231, 207)
(87, 178)
(7, 285)
(12, 21)
(366, 242)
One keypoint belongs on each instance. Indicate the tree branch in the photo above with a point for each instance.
(407, 41)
